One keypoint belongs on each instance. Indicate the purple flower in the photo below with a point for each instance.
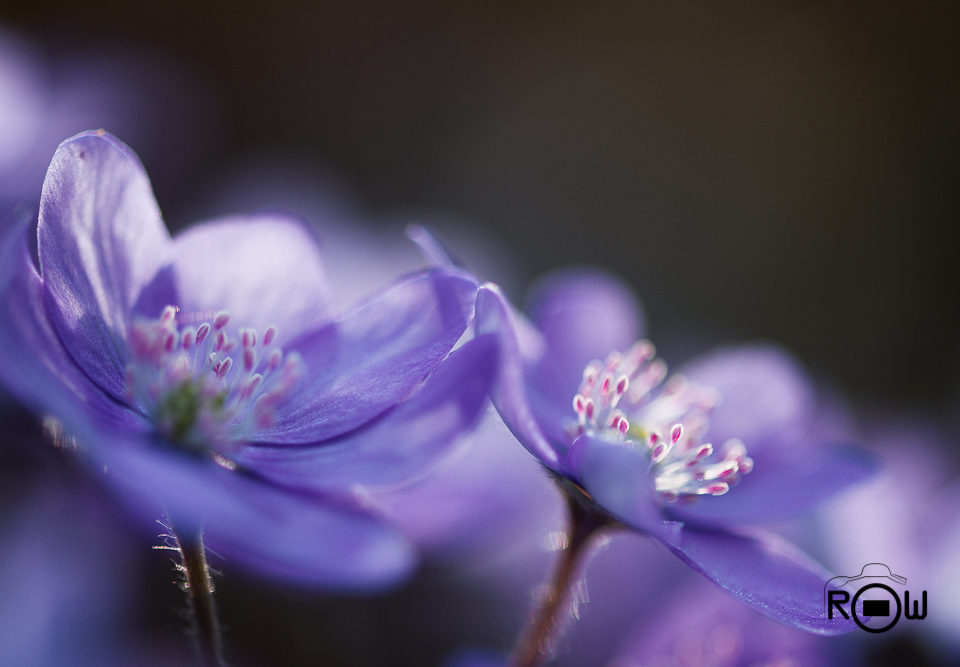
(209, 379)
(629, 446)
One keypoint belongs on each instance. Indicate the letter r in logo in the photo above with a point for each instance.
(835, 599)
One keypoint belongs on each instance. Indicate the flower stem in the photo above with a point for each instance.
(532, 645)
(200, 590)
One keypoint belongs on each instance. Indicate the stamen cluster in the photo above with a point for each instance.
(615, 401)
(202, 388)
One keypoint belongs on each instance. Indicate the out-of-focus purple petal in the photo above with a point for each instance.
(584, 314)
(509, 394)
(359, 366)
(101, 240)
(476, 658)
(264, 270)
(303, 538)
(782, 489)
(615, 475)
(764, 391)
(33, 363)
(433, 250)
(490, 499)
(401, 443)
(702, 626)
(65, 568)
(764, 572)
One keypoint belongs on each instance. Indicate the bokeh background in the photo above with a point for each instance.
(773, 170)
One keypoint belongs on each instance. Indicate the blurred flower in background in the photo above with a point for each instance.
(71, 569)
(50, 93)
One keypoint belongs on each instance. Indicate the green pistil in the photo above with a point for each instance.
(179, 410)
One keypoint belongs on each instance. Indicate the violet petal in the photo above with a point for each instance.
(584, 314)
(101, 240)
(616, 476)
(401, 443)
(302, 538)
(764, 572)
(33, 362)
(780, 489)
(359, 366)
(264, 270)
(763, 390)
(509, 393)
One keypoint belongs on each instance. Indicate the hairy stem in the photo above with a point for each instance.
(532, 645)
(200, 590)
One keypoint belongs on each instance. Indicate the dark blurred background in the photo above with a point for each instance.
(785, 170)
(756, 169)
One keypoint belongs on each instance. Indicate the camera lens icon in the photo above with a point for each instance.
(876, 606)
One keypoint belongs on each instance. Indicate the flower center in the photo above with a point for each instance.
(616, 401)
(203, 389)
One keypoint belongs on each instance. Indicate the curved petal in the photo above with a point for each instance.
(401, 443)
(764, 572)
(101, 241)
(584, 314)
(358, 367)
(300, 538)
(764, 392)
(779, 489)
(509, 393)
(33, 363)
(264, 269)
(616, 476)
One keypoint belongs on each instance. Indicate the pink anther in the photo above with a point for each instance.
(168, 315)
(276, 356)
(269, 334)
(248, 338)
(188, 337)
(202, 332)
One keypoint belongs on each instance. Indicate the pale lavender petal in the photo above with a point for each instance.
(489, 499)
(434, 252)
(764, 391)
(356, 368)
(764, 572)
(263, 269)
(399, 445)
(780, 489)
(509, 394)
(101, 241)
(584, 314)
(302, 538)
(33, 363)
